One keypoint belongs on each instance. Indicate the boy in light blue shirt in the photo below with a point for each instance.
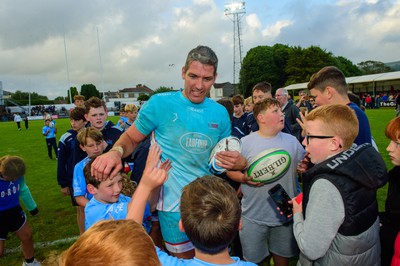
(109, 204)
(92, 143)
(49, 131)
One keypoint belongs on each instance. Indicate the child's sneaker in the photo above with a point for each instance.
(33, 263)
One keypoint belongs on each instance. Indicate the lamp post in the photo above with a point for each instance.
(235, 11)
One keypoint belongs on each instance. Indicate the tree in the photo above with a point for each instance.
(302, 63)
(162, 89)
(348, 68)
(143, 97)
(60, 99)
(73, 91)
(255, 68)
(22, 98)
(282, 65)
(373, 67)
(89, 90)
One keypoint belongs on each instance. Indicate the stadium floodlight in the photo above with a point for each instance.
(235, 10)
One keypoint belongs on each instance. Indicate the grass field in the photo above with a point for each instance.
(57, 218)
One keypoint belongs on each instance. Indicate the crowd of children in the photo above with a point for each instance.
(334, 220)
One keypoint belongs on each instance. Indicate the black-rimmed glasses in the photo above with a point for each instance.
(308, 137)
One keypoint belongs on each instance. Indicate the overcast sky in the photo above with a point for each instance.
(146, 42)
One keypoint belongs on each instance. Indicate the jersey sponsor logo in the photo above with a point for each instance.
(194, 142)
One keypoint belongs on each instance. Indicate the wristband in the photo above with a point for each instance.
(119, 149)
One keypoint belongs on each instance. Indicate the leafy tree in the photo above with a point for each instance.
(61, 99)
(143, 97)
(73, 91)
(282, 65)
(89, 90)
(162, 89)
(255, 68)
(302, 63)
(373, 67)
(348, 68)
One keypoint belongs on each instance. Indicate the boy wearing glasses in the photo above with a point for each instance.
(265, 232)
(337, 221)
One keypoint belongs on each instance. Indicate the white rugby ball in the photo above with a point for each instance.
(51, 124)
(269, 165)
(226, 144)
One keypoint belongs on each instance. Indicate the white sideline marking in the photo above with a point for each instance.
(42, 244)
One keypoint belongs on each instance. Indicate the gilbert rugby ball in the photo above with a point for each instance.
(226, 144)
(269, 165)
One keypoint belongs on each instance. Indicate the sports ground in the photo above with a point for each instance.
(54, 228)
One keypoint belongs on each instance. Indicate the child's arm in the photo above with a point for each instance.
(152, 178)
(153, 199)
(26, 197)
(81, 200)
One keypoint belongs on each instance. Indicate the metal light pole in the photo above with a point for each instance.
(235, 12)
(66, 65)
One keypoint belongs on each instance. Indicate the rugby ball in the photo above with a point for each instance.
(269, 165)
(226, 144)
(51, 124)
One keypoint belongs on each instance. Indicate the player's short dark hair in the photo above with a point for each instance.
(204, 55)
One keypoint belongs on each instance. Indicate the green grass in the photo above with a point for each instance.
(57, 218)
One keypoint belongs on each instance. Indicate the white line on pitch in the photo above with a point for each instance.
(43, 244)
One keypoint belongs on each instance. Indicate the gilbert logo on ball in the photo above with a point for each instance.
(269, 165)
(226, 144)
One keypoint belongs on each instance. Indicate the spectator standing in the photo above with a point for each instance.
(328, 86)
(390, 219)
(239, 117)
(18, 119)
(291, 111)
(304, 101)
(49, 131)
(26, 120)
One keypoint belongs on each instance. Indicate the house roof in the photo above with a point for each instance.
(138, 88)
(222, 85)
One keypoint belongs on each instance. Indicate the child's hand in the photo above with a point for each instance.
(154, 177)
(246, 179)
(154, 156)
(303, 165)
(166, 165)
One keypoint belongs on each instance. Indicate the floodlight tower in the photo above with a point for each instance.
(235, 11)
